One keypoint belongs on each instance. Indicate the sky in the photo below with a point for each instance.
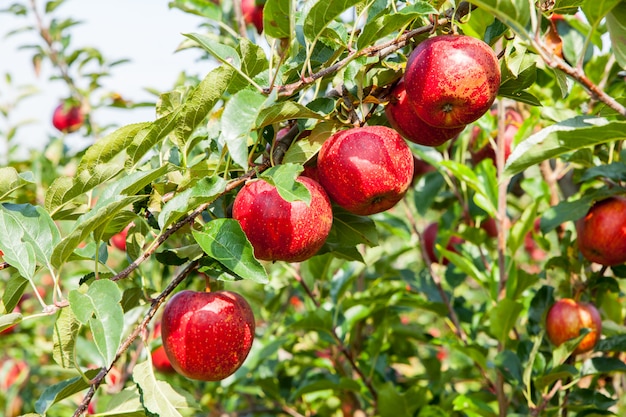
(145, 31)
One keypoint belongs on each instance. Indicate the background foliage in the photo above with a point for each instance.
(368, 326)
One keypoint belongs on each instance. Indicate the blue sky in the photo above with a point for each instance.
(145, 31)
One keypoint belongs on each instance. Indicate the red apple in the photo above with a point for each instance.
(207, 335)
(12, 372)
(452, 80)
(160, 361)
(280, 230)
(403, 118)
(602, 232)
(119, 239)
(311, 172)
(67, 117)
(567, 317)
(531, 247)
(253, 13)
(430, 238)
(365, 170)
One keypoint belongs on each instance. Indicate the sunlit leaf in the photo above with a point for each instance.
(224, 241)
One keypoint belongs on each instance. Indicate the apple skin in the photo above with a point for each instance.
(430, 238)
(403, 119)
(252, 14)
(365, 170)
(207, 335)
(119, 239)
(602, 232)
(67, 118)
(12, 372)
(160, 361)
(452, 80)
(280, 230)
(567, 317)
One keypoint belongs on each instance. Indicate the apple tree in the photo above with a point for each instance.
(434, 306)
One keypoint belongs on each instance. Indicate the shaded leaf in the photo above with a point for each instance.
(63, 390)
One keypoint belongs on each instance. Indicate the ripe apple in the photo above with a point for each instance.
(207, 335)
(602, 232)
(452, 80)
(531, 247)
(365, 170)
(430, 238)
(12, 372)
(252, 13)
(512, 123)
(119, 239)
(67, 117)
(567, 317)
(403, 118)
(160, 361)
(280, 230)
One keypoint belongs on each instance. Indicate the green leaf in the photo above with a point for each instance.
(200, 102)
(65, 333)
(388, 23)
(602, 365)
(573, 210)
(204, 191)
(510, 366)
(13, 292)
(285, 110)
(10, 181)
(239, 118)
(304, 149)
(392, 403)
(484, 197)
(350, 230)
(8, 320)
(105, 149)
(513, 13)
(283, 177)
(503, 317)
(612, 344)
(100, 308)
(224, 241)
(616, 24)
(224, 53)
(100, 215)
(278, 19)
(63, 390)
(126, 403)
(558, 139)
(33, 236)
(158, 397)
(63, 189)
(149, 136)
(596, 10)
(322, 13)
